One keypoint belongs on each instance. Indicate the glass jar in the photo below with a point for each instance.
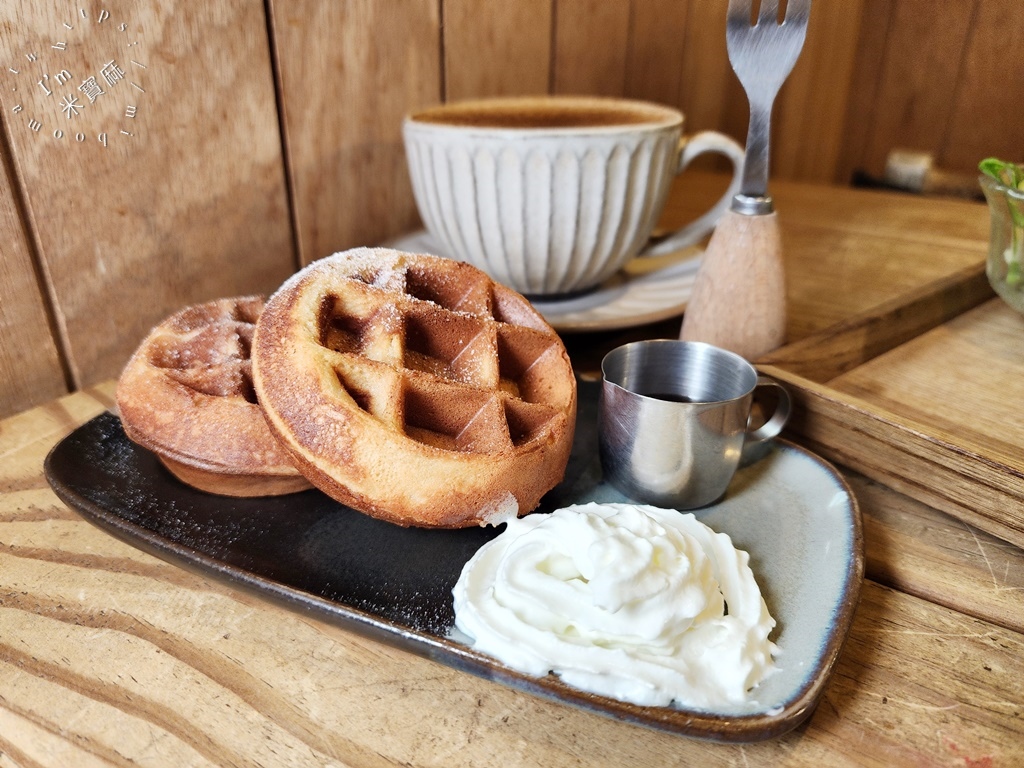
(1006, 242)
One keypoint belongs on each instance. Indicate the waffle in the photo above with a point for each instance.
(186, 394)
(415, 389)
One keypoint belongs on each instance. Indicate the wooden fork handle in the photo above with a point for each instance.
(739, 297)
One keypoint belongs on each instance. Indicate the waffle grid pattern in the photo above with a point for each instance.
(206, 347)
(447, 364)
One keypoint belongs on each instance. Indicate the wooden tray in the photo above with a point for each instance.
(922, 393)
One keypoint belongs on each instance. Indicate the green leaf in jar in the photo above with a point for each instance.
(1006, 173)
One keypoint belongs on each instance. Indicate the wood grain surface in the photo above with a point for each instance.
(160, 185)
(592, 46)
(655, 63)
(30, 365)
(916, 549)
(973, 130)
(954, 376)
(497, 49)
(913, 105)
(848, 250)
(200, 184)
(869, 75)
(826, 354)
(109, 656)
(915, 391)
(811, 108)
(945, 96)
(344, 92)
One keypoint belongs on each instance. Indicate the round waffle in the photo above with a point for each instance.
(415, 389)
(186, 394)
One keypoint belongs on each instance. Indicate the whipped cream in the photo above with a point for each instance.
(632, 602)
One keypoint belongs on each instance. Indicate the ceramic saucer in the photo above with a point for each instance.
(644, 291)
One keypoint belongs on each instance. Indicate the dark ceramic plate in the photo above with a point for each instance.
(792, 512)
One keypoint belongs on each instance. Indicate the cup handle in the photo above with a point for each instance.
(691, 147)
(757, 441)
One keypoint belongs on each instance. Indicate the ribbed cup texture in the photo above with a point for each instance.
(546, 214)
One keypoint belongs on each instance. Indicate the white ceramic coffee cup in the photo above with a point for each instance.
(552, 195)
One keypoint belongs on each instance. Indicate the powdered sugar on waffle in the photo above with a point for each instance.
(457, 397)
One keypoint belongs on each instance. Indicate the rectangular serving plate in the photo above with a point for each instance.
(792, 513)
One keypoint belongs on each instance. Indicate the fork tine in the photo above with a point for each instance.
(769, 12)
(797, 11)
(739, 10)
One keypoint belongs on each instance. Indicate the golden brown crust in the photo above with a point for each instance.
(235, 485)
(415, 389)
(186, 394)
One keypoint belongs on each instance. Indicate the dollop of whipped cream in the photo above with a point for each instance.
(632, 602)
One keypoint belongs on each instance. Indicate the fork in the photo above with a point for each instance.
(739, 296)
(762, 55)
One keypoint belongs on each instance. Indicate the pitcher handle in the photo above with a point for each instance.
(757, 441)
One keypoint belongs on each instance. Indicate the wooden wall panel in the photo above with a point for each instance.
(864, 87)
(654, 68)
(592, 40)
(710, 96)
(30, 369)
(349, 73)
(987, 115)
(810, 110)
(133, 215)
(496, 49)
(914, 103)
(162, 182)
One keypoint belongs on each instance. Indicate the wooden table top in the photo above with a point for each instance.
(109, 656)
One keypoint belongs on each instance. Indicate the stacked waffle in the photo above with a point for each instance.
(409, 387)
